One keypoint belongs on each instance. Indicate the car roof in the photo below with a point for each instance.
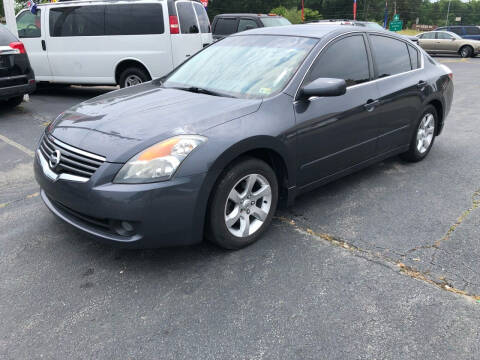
(247, 15)
(311, 30)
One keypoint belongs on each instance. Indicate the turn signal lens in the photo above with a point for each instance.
(160, 161)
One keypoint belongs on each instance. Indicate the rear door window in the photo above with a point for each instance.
(246, 24)
(390, 55)
(77, 21)
(187, 18)
(29, 25)
(444, 36)
(472, 30)
(225, 26)
(337, 62)
(456, 29)
(134, 19)
(413, 57)
(203, 20)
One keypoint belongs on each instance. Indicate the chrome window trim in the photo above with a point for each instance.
(53, 175)
(371, 81)
(78, 151)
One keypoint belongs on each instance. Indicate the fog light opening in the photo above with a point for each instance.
(123, 228)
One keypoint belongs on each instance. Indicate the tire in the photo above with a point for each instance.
(466, 51)
(416, 151)
(247, 205)
(12, 102)
(129, 76)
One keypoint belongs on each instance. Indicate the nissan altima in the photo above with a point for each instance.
(248, 123)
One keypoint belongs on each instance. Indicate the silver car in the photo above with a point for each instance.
(446, 42)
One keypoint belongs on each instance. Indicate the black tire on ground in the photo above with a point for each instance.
(216, 228)
(413, 154)
(12, 102)
(466, 51)
(131, 73)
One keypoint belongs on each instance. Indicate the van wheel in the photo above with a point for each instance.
(133, 76)
(12, 102)
(243, 204)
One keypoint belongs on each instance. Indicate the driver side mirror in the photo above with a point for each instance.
(324, 87)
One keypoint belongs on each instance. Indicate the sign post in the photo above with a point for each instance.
(9, 8)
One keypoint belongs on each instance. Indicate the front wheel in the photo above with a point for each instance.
(243, 204)
(423, 137)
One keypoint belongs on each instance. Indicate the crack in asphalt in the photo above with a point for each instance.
(442, 283)
(8, 203)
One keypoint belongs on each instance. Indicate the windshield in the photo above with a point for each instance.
(274, 21)
(253, 66)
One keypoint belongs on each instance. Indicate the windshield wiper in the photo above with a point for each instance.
(198, 90)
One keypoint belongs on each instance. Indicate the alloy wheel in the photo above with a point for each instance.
(132, 80)
(248, 205)
(425, 133)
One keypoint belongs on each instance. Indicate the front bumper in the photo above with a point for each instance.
(169, 213)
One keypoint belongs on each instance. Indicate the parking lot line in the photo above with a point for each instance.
(30, 196)
(17, 145)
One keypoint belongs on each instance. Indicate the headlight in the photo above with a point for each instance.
(159, 162)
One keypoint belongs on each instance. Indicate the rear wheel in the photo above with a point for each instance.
(466, 51)
(243, 204)
(133, 76)
(12, 102)
(423, 137)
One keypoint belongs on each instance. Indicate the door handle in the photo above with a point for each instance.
(370, 105)
(44, 45)
(421, 84)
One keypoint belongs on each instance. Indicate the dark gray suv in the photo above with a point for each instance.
(16, 74)
(249, 122)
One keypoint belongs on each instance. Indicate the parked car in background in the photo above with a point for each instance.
(256, 118)
(16, 74)
(445, 42)
(227, 24)
(108, 43)
(367, 24)
(465, 31)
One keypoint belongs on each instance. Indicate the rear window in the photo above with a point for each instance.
(6, 37)
(274, 21)
(202, 18)
(77, 21)
(134, 19)
(246, 24)
(225, 26)
(29, 25)
(391, 56)
(187, 18)
(472, 30)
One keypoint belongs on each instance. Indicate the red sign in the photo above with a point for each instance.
(205, 3)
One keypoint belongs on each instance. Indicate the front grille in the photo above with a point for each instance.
(73, 161)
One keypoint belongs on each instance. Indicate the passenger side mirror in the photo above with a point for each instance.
(324, 87)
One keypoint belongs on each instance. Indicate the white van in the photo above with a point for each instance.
(124, 42)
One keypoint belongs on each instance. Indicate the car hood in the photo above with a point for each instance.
(122, 123)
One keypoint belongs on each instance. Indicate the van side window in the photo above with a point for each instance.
(337, 62)
(77, 21)
(134, 19)
(187, 18)
(29, 25)
(472, 30)
(202, 18)
(390, 55)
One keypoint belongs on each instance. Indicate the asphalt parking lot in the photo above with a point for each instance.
(382, 264)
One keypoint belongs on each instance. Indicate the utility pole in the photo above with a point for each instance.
(394, 8)
(448, 12)
(9, 7)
